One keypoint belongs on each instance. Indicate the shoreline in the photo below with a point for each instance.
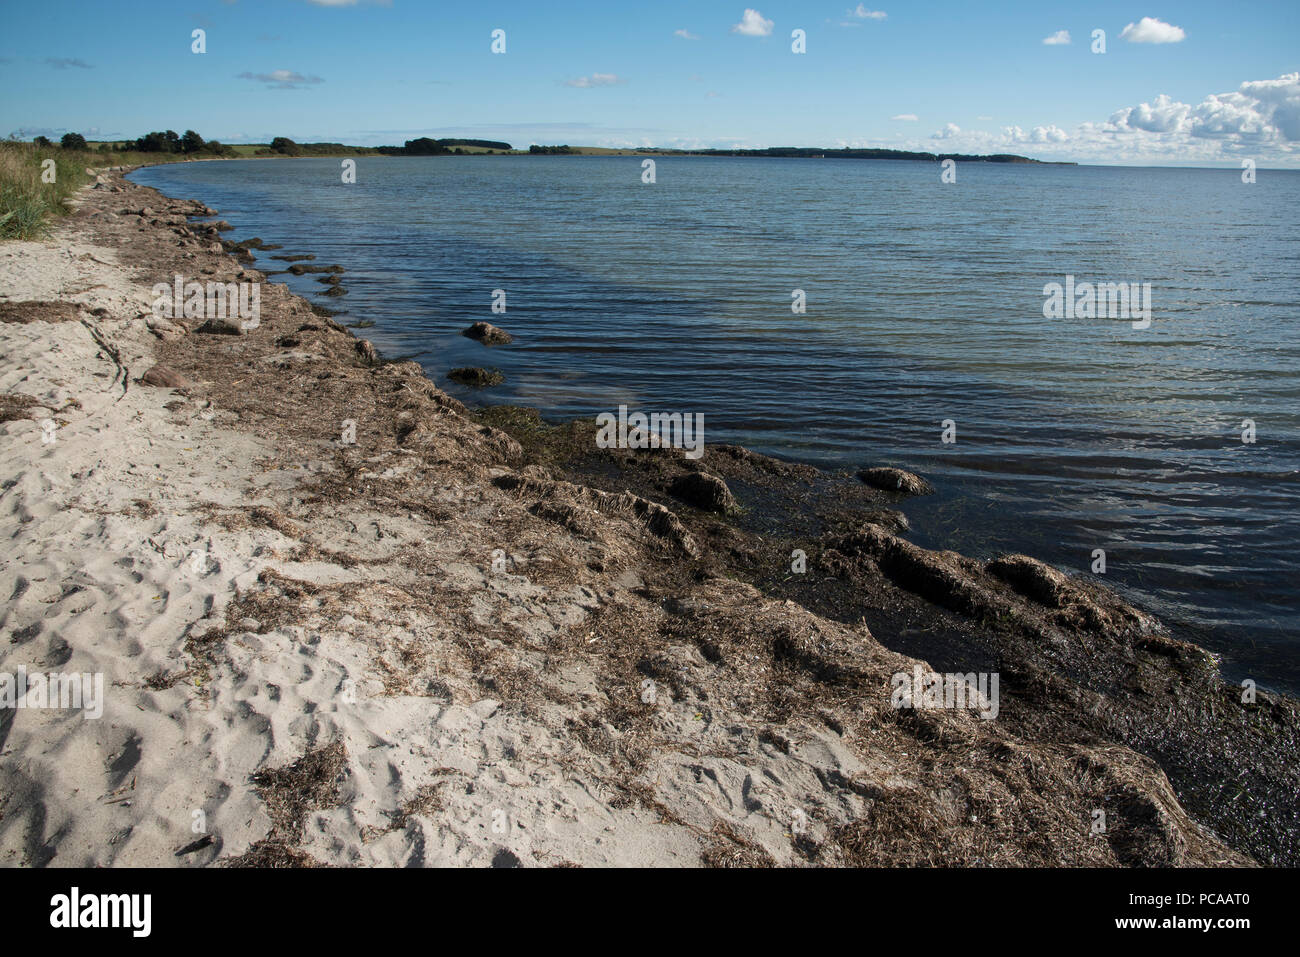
(509, 585)
(1149, 570)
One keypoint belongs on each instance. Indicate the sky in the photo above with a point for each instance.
(1180, 83)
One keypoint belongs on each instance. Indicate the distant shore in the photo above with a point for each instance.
(284, 148)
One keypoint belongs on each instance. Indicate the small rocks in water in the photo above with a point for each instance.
(299, 269)
(241, 253)
(294, 259)
(164, 377)
(480, 378)
(335, 291)
(367, 352)
(488, 334)
(704, 491)
(896, 480)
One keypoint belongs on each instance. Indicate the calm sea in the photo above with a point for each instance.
(924, 304)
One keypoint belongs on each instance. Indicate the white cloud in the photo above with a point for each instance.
(1165, 115)
(753, 24)
(1151, 30)
(596, 79)
(1039, 134)
(1059, 38)
(862, 13)
(1282, 98)
(685, 34)
(1258, 113)
(906, 117)
(1259, 120)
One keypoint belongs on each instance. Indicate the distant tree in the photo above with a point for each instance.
(106, 147)
(42, 141)
(73, 141)
(155, 142)
(425, 147)
(483, 144)
(191, 142)
(282, 144)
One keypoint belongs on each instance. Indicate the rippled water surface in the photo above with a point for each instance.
(924, 303)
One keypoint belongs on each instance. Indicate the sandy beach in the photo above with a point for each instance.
(343, 620)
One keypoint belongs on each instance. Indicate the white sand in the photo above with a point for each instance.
(94, 586)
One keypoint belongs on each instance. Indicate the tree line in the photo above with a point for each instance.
(424, 146)
(166, 141)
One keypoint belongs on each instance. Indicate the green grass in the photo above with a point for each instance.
(29, 204)
(27, 201)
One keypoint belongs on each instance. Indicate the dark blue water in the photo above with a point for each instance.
(924, 303)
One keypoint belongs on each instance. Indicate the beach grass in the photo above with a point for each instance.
(32, 191)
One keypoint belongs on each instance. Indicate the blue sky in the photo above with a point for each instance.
(1202, 83)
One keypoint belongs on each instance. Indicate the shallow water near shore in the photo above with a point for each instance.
(924, 303)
